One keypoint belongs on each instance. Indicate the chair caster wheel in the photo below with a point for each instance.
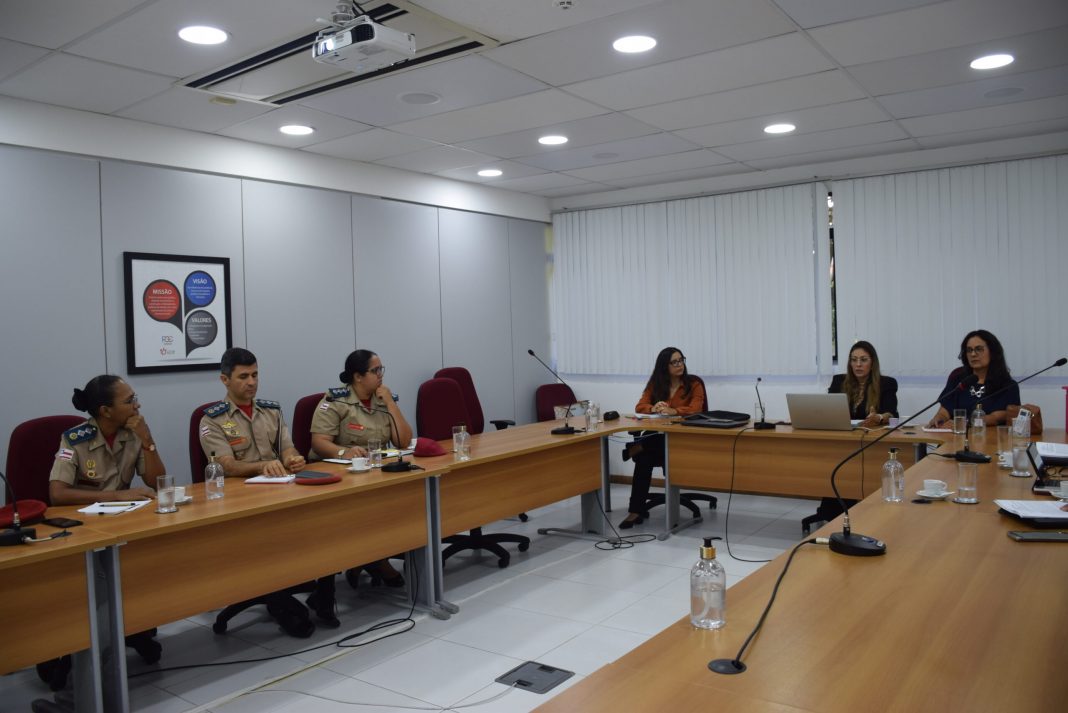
(219, 627)
(523, 517)
(503, 562)
(524, 546)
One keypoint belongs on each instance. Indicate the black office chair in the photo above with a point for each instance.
(688, 500)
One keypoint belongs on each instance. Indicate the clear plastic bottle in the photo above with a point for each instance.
(979, 424)
(462, 444)
(214, 479)
(893, 479)
(708, 590)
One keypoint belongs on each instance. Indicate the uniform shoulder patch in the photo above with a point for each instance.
(268, 404)
(81, 433)
(217, 409)
(335, 394)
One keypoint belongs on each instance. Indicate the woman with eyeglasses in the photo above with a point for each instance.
(981, 354)
(670, 391)
(872, 396)
(345, 420)
(97, 460)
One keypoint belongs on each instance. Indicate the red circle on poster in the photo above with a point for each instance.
(161, 300)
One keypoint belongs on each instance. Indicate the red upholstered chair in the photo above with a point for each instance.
(31, 452)
(477, 422)
(439, 406)
(548, 396)
(197, 460)
(300, 429)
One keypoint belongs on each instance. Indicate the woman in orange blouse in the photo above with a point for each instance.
(671, 391)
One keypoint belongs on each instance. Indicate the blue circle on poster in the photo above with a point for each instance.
(199, 288)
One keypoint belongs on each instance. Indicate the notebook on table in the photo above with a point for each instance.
(824, 412)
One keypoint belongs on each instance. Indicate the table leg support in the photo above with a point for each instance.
(440, 607)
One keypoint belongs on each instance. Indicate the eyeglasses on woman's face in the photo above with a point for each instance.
(677, 362)
(978, 349)
(378, 370)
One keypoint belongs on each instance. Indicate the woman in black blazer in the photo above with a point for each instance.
(872, 396)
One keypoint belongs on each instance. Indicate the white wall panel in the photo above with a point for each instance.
(529, 267)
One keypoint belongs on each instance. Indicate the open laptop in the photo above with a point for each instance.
(824, 412)
(1043, 477)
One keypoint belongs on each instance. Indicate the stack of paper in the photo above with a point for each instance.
(1049, 509)
(114, 507)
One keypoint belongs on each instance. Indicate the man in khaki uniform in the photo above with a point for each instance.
(247, 435)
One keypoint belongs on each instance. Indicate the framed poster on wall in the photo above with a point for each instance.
(177, 312)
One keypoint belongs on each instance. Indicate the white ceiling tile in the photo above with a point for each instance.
(371, 145)
(822, 141)
(15, 55)
(817, 158)
(83, 84)
(541, 182)
(683, 27)
(1031, 128)
(807, 121)
(574, 190)
(687, 160)
(933, 27)
(767, 60)
(464, 82)
(437, 159)
(191, 109)
(264, 128)
(507, 21)
(785, 95)
(940, 100)
(148, 38)
(672, 176)
(610, 152)
(988, 117)
(581, 132)
(49, 25)
(518, 113)
(509, 169)
(814, 13)
(1037, 50)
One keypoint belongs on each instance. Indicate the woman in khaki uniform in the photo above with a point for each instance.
(344, 421)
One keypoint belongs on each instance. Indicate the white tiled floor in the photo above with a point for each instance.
(563, 603)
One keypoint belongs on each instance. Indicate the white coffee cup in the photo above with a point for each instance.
(179, 492)
(934, 487)
(359, 463)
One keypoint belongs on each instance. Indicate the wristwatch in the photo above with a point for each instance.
(341, 452)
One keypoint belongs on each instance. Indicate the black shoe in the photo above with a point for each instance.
(628, 523)
(54, 672)
(291, 615)
(146, 647)
(626, 453)
(324, 607)
(377, 580)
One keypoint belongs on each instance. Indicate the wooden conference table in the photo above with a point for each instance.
(954, 617)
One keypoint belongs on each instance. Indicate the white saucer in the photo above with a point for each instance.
(359, 470)
(184, 501)
(934, 496)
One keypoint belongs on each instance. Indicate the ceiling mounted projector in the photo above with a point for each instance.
(362, 46)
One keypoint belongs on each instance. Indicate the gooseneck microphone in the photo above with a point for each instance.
(566, 429)
(966, 455)
(847, 542)
(400, 465)
(762, 424)
(17, 535)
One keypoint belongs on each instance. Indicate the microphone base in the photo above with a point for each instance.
(763, 426)
(400, 466)
(971, 457)
(727, 667)
(563, 431)
(855, 545)
(10, 538)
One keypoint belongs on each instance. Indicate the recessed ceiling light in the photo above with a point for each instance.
(553, 140)
(490, 172)
(779, 128)
(1003, 92)
(296, 129)
(420, 98)
(202, 35)
(634, 43)
(992, 61)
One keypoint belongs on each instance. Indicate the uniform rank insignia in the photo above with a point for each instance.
(335, 394)
(268, 404)
(217, 409)
(80, 434)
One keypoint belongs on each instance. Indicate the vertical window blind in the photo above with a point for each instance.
(923, 258)
(729, 280)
